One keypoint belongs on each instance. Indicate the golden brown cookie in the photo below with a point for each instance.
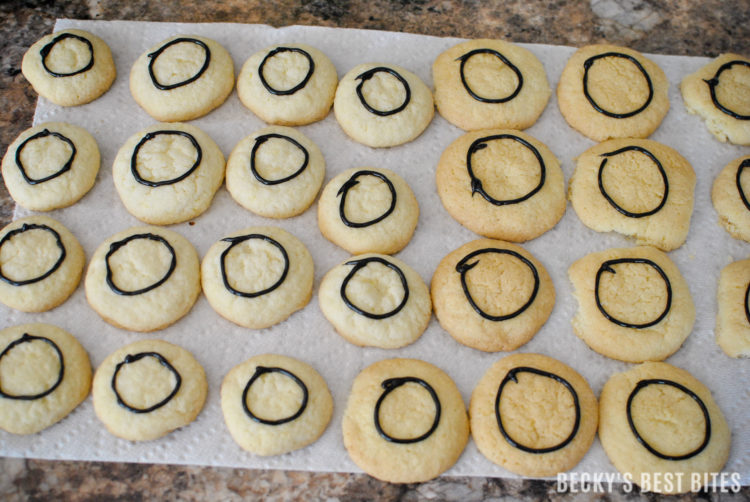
(730, 198)
(733, 317)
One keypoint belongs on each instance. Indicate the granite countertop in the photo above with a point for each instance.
(705, 28)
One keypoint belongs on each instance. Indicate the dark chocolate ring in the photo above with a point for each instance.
(261, 370)
(392, 384)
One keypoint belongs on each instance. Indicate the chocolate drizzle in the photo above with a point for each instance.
(349, 184)
(27, 338)
(747, 297)
(25, 228)
(392, 384)
(242, 238)
(303, 82)
(131, 358)
(476, 183)
(367, 75)
(587, 65)
(745, 163)
(607, 267)
(658, 166)
(713, 82)
(44, 52)
(115, 246)
(262, 139)
(43, 134)
(262, 370)
(154, 55)
(661, 381)
(502, 58)
(148, 137)
(462, 267)
(512, 375)
(361, 263)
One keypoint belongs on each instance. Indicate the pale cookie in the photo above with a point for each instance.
(168, 173)
(533, 415)
(182, 78)
(274, 404)
(662, 428)
(257, 277)
(288, 84)
(375, 300)
(485, 84)
(607, 91)
(50, 166)
(405, 421)
(733, 317)
(502, 184)
(147, 389)
(636, 187)
(633, 304)
(143, 278)
(41, 264)
(44, 375)
(720, 93)
(368, 210)
(492, 295)
(730, 194)
(382, 105)
(275, 172)
(70, 67)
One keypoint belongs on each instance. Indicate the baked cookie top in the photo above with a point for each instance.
(733, 317)
(729, 194)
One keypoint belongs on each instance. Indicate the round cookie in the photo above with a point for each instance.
(720, 94)
(275, 172)
(635, 187)
(382, 105)
(143, 278)
(488, 84)
(533, 415)
(658, 420)
(368, 210)
(633, 304)
(257, 277)
(730, 194)
(492, 295)
(733, 317)
(70, 67)
(405, 421)
(502, 184)
(50, 166)
(168, 173)
(288, 84)
(273, 404)
(375, 300)
(44, 374)
(607, 91)
(147, 389)
(182, 78)
(41, 264)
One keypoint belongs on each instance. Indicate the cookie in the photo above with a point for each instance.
(50, 166)
(288, 84)
(70, 67)
(633, 304)
(41, 264)
(490, 84)
(719, 93)
(658, 420)
(147, 389)
(44, 374)
(492, 295)
(143, 278)
(257, 277)
(168, 173)
(368, 210)
(607, 91)
(533, 415)
(636, 187)
(382, 105)
(374, 300)
(502, 184)
(274, 404)
(275, 172)
(182, 78)
(733, 317)
(730, 194)
(405, 421)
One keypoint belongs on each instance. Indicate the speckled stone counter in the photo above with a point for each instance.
(698, 28)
